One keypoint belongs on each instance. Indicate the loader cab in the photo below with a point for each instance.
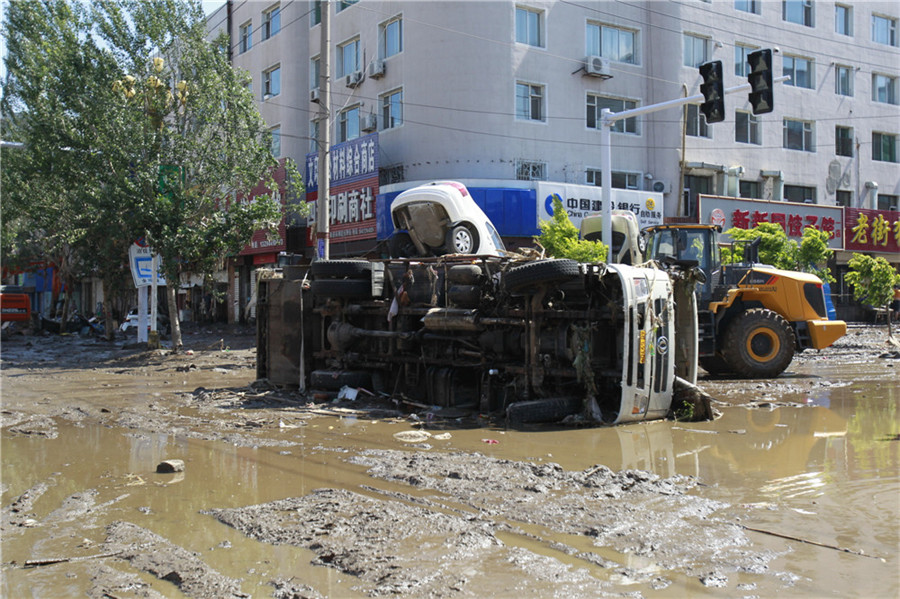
(688, 245)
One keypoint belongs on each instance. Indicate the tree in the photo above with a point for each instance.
(135, 126)
(774, 246)
(873, 281)
(814, 254)
(560, 239)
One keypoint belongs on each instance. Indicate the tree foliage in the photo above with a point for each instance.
(775, 248)
(873, 280)
(560, 238)
(134, 126)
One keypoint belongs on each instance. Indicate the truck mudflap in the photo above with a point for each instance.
(823, 333)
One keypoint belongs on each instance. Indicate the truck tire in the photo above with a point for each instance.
(464, 274)
(540, 272)
(714, 365)
(344, 288)
(462, 239)
(339, 269)
(758, 344)
(333, 380)
(551, 409)
(402, 246)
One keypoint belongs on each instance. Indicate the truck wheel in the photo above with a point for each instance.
(758, 344)
(464, 274)
(339, 269)
(346, 288)
(462, 239)
(551, 409)
(714, 365)
(540, 272)
(402, 246)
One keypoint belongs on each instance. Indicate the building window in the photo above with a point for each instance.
(246, 33)
(887, 201)
(884, 30)
(620, 180)
(797, 11)
(696, 122)
(348, 124)
(843, 197)
(531, 171)
(314, 72)
(610, 42)
(314, 135)
(843, 80)
(271, 22)
(595, 104)
(800, 71)
(843, 141)
(750, 189)
(392, 109)
(390, 38)
(746, 128)
(275, 141)
(529, 26)
(884, 89)
(695, 50)
(344, 4)
(798, 135)
(884, 147)
(348, 57)
(391, 174)
(529, 102)
(741, 66)
(271, 83)
(315, 16)
(843, 19)
(751, 6)
(800, 193)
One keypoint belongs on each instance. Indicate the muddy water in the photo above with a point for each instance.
(824, 469)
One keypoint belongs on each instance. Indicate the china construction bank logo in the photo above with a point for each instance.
(548, 203)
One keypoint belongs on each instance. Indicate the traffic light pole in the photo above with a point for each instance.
(608, 119)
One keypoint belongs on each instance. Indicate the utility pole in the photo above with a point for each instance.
(323, 216)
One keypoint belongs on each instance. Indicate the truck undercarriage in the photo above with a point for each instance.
(538, 340)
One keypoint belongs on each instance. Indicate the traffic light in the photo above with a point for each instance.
(760, 78)
(713, 91)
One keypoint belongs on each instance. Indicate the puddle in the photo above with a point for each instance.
(826, 472)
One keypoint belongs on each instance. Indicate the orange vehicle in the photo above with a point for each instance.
(752, 317)
(15, 305)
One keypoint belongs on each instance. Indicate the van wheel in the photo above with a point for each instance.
(462, 239)
(758, 344)
(540, 272)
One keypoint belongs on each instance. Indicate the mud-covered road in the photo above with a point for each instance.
(794, 490)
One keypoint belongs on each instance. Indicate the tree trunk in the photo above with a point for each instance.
(171, 291)
(109, 326)
(67, 303)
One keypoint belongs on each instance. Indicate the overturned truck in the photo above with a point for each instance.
(538, 340)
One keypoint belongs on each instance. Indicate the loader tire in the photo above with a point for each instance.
(758, 344)
(715, 365)
(340, 269)
(540, 272)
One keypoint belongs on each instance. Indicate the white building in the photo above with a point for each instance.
(501, 94)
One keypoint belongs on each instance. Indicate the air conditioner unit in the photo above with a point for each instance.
(314, 95)
(597, 66)
(376, 69)
(353, 79)
(661, 186)
(369, 122)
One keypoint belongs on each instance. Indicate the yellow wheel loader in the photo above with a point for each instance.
(752, 317)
